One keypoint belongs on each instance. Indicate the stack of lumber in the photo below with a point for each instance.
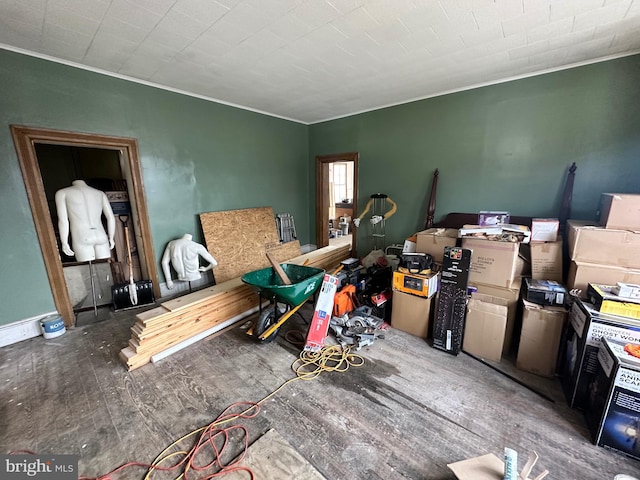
(183, 318)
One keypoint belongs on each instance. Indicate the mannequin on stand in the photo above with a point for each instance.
(184, 255)
(80, 209)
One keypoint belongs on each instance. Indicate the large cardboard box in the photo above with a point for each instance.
(590, 243)
(410, 313)
(494, 263)
(582, 274)
(485, 326)
(620, 211)
(614, 400)
(511, 295)
(448, 325)
(546, 260)
(540, 338)
(433, 241)
(585, 329)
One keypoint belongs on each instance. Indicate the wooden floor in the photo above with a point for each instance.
(406, 414)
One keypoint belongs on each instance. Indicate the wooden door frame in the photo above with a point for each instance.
(25, 138)
(322, 195)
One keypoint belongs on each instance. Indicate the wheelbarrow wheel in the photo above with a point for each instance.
(266, 319)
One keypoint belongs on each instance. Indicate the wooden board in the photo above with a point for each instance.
(271, 457)
(239, 239)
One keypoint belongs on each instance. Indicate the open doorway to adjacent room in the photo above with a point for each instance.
(51, 160)
(336, 194)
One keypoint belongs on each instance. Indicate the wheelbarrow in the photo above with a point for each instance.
(305, 281)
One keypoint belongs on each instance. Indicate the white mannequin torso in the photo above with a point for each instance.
(184, 255)
(80, 209)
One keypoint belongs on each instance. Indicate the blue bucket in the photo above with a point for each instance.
(52, 326)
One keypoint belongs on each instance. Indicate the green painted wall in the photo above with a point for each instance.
(197, 156)
(502, 147)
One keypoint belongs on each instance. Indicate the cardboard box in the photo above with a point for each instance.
(619, 211)
(433, 241)
(546, 260)
(494, 263)
(540, 338)
(614, 400)
(485, 326)
(589, 243)
(416, 284)
(544, 292)
(605, 301)
(488, 218)
(486, 467)
(410, 313)
(544, 229)
(582, 274)
(585, 329)
(448, 325)
(512, 296)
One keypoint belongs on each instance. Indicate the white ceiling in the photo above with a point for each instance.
(313, 60)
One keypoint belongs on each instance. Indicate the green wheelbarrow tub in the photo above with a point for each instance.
(305, 281)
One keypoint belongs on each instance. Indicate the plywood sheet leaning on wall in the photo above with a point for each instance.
(239, 240)
(178, 320)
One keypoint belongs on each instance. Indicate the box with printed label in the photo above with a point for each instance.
(494, 263)
(613, 406)
(585, 329)
(416, 284)
(605, 300)
(544, 292)
(590, 243)
(619, 210)
(448, 325)
(542, 328)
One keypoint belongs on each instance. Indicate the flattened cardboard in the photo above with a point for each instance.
(410, 313)
(540, 338)
(619, 211)
(486, 467)
(582, 274)
(546, 260)
(590, 243)
(433, 241)
(485, 326)
(494, 263)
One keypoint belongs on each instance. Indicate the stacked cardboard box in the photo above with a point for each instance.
(609, 251)
(496, 270)
(413, 296)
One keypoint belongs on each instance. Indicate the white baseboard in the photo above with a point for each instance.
(21, 330)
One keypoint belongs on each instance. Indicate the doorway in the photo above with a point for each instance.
(336, 195)
(28, 141)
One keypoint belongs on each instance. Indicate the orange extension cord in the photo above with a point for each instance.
(306, 367)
